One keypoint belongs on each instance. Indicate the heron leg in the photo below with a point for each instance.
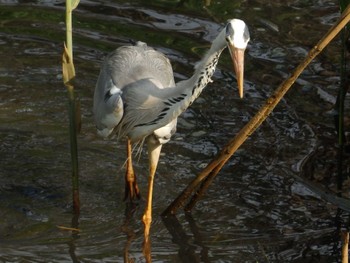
(131, 188)
(154, 149)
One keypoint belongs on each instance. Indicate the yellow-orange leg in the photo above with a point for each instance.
(153, 155)
(131, 188)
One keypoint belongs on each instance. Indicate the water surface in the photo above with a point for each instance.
(254, 212)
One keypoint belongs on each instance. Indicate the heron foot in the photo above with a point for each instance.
(132, 192)
(146, 246)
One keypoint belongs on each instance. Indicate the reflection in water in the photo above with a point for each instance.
(187, 251)
(75, 237)
(338, 223)
(130, 209)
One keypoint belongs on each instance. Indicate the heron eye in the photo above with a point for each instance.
(246, 34)
(229, 31)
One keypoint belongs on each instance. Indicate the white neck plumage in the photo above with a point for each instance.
(189, 90)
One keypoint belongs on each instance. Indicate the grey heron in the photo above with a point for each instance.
(136, 96)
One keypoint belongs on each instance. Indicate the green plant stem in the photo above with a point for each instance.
(339, 106)
(73, 148)
(69, 41)
(68, 77)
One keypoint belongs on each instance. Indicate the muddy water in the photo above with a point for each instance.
(254, 212)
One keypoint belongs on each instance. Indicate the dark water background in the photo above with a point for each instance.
(254, 212)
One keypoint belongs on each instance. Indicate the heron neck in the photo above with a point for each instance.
(174, 101)
(191, 88)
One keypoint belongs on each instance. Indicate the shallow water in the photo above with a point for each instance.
(254, 211)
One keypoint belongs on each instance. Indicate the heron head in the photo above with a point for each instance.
(237, 38)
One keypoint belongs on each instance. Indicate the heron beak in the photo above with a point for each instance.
(237, 56)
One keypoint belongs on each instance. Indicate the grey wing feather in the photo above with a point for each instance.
(128, 64)
(128, 89)
(142, 106)
(108, 105)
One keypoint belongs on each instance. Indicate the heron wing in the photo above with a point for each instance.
(108, 105)
(143, 106)
(129, 64)
(127, 93)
